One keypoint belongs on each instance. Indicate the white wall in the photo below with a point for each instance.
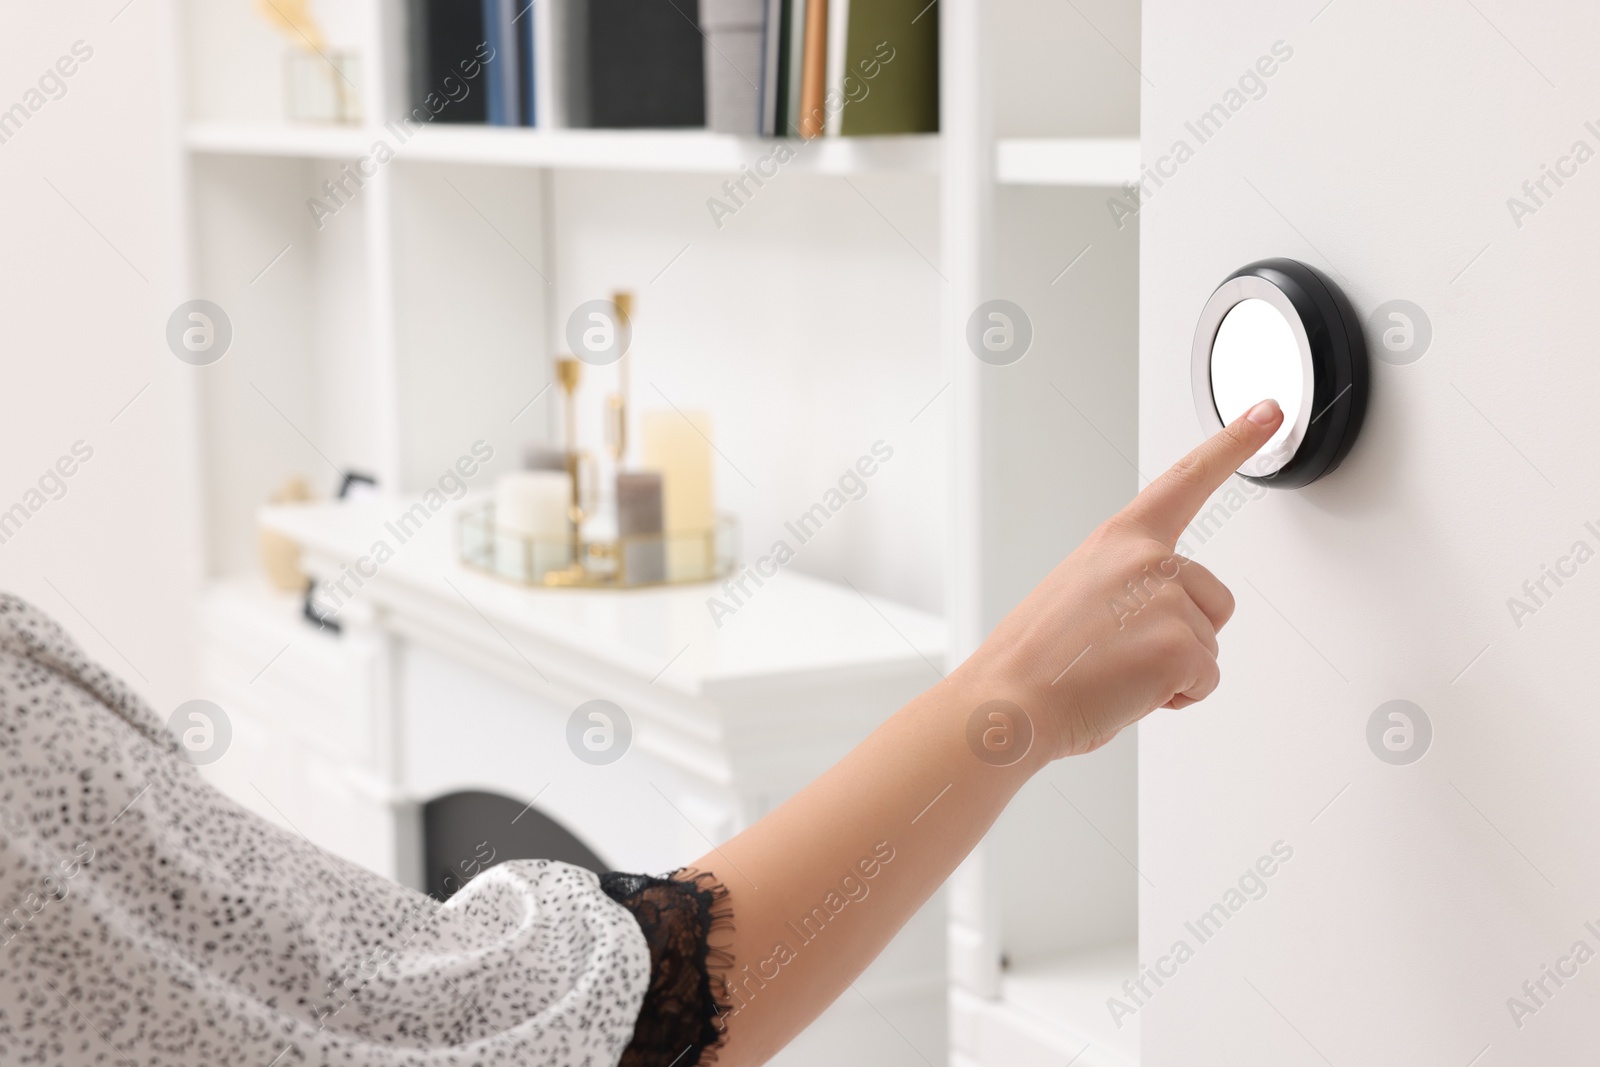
(91, 237)
(1065, 69)
(807, 325)
(293, 397)
(470, 309)
(1421, 898)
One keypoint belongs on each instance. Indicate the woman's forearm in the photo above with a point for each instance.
(821, 885)
(1122, 626)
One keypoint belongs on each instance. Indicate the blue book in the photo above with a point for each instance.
(502, 80)
(526, 92)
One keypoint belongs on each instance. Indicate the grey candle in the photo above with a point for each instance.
(639, 527)
(540, 458)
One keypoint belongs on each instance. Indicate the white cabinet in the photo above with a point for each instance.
(302, 707)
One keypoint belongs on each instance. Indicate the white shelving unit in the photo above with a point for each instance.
(828, 313)
(1040, 126)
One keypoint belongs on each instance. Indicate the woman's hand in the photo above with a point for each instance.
(1124, 625)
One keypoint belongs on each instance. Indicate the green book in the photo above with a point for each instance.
(794, 37)
(891, 69)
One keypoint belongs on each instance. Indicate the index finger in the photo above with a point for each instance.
(1168, 504)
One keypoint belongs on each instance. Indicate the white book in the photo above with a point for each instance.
(833, 94)
(560, 68)
(734, 47)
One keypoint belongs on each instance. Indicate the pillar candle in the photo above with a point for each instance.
(639, 526)
(678, 446)
(532, 534)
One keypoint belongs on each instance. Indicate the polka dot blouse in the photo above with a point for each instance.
(147, 920)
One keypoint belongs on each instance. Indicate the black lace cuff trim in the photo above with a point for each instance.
(678, 1022)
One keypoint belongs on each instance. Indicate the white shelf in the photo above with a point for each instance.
(277, 139)
(692, 151)
(1081, 161)
(1068, 161)
(1054, 1011)
(1071, 992)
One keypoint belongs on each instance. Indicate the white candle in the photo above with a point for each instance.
(532, 534)
(678, 445)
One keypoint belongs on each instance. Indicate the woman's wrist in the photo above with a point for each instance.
(1001, 721)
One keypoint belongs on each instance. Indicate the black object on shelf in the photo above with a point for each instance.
(313, 611)
(646, 64)
(356, 484)
(446, 61)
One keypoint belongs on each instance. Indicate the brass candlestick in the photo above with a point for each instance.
(616, 414)
(569, 372)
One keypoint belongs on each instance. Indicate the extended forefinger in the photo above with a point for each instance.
(1168, 504)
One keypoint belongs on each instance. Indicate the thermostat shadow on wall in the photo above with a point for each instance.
(1278, 329)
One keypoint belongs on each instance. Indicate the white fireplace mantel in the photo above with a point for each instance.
(801, 668)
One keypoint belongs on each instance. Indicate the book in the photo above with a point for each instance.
(561, 65)
(891, 67)
(833, 92)
(814, 69)
(646, 64)
(444, 40)
(526, 22)
(501, 73)
(772, 35)
(733, 59)
(794, 39)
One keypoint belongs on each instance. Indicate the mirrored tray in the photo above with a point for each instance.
(630, 562)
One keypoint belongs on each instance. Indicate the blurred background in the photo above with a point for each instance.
(562, 429)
